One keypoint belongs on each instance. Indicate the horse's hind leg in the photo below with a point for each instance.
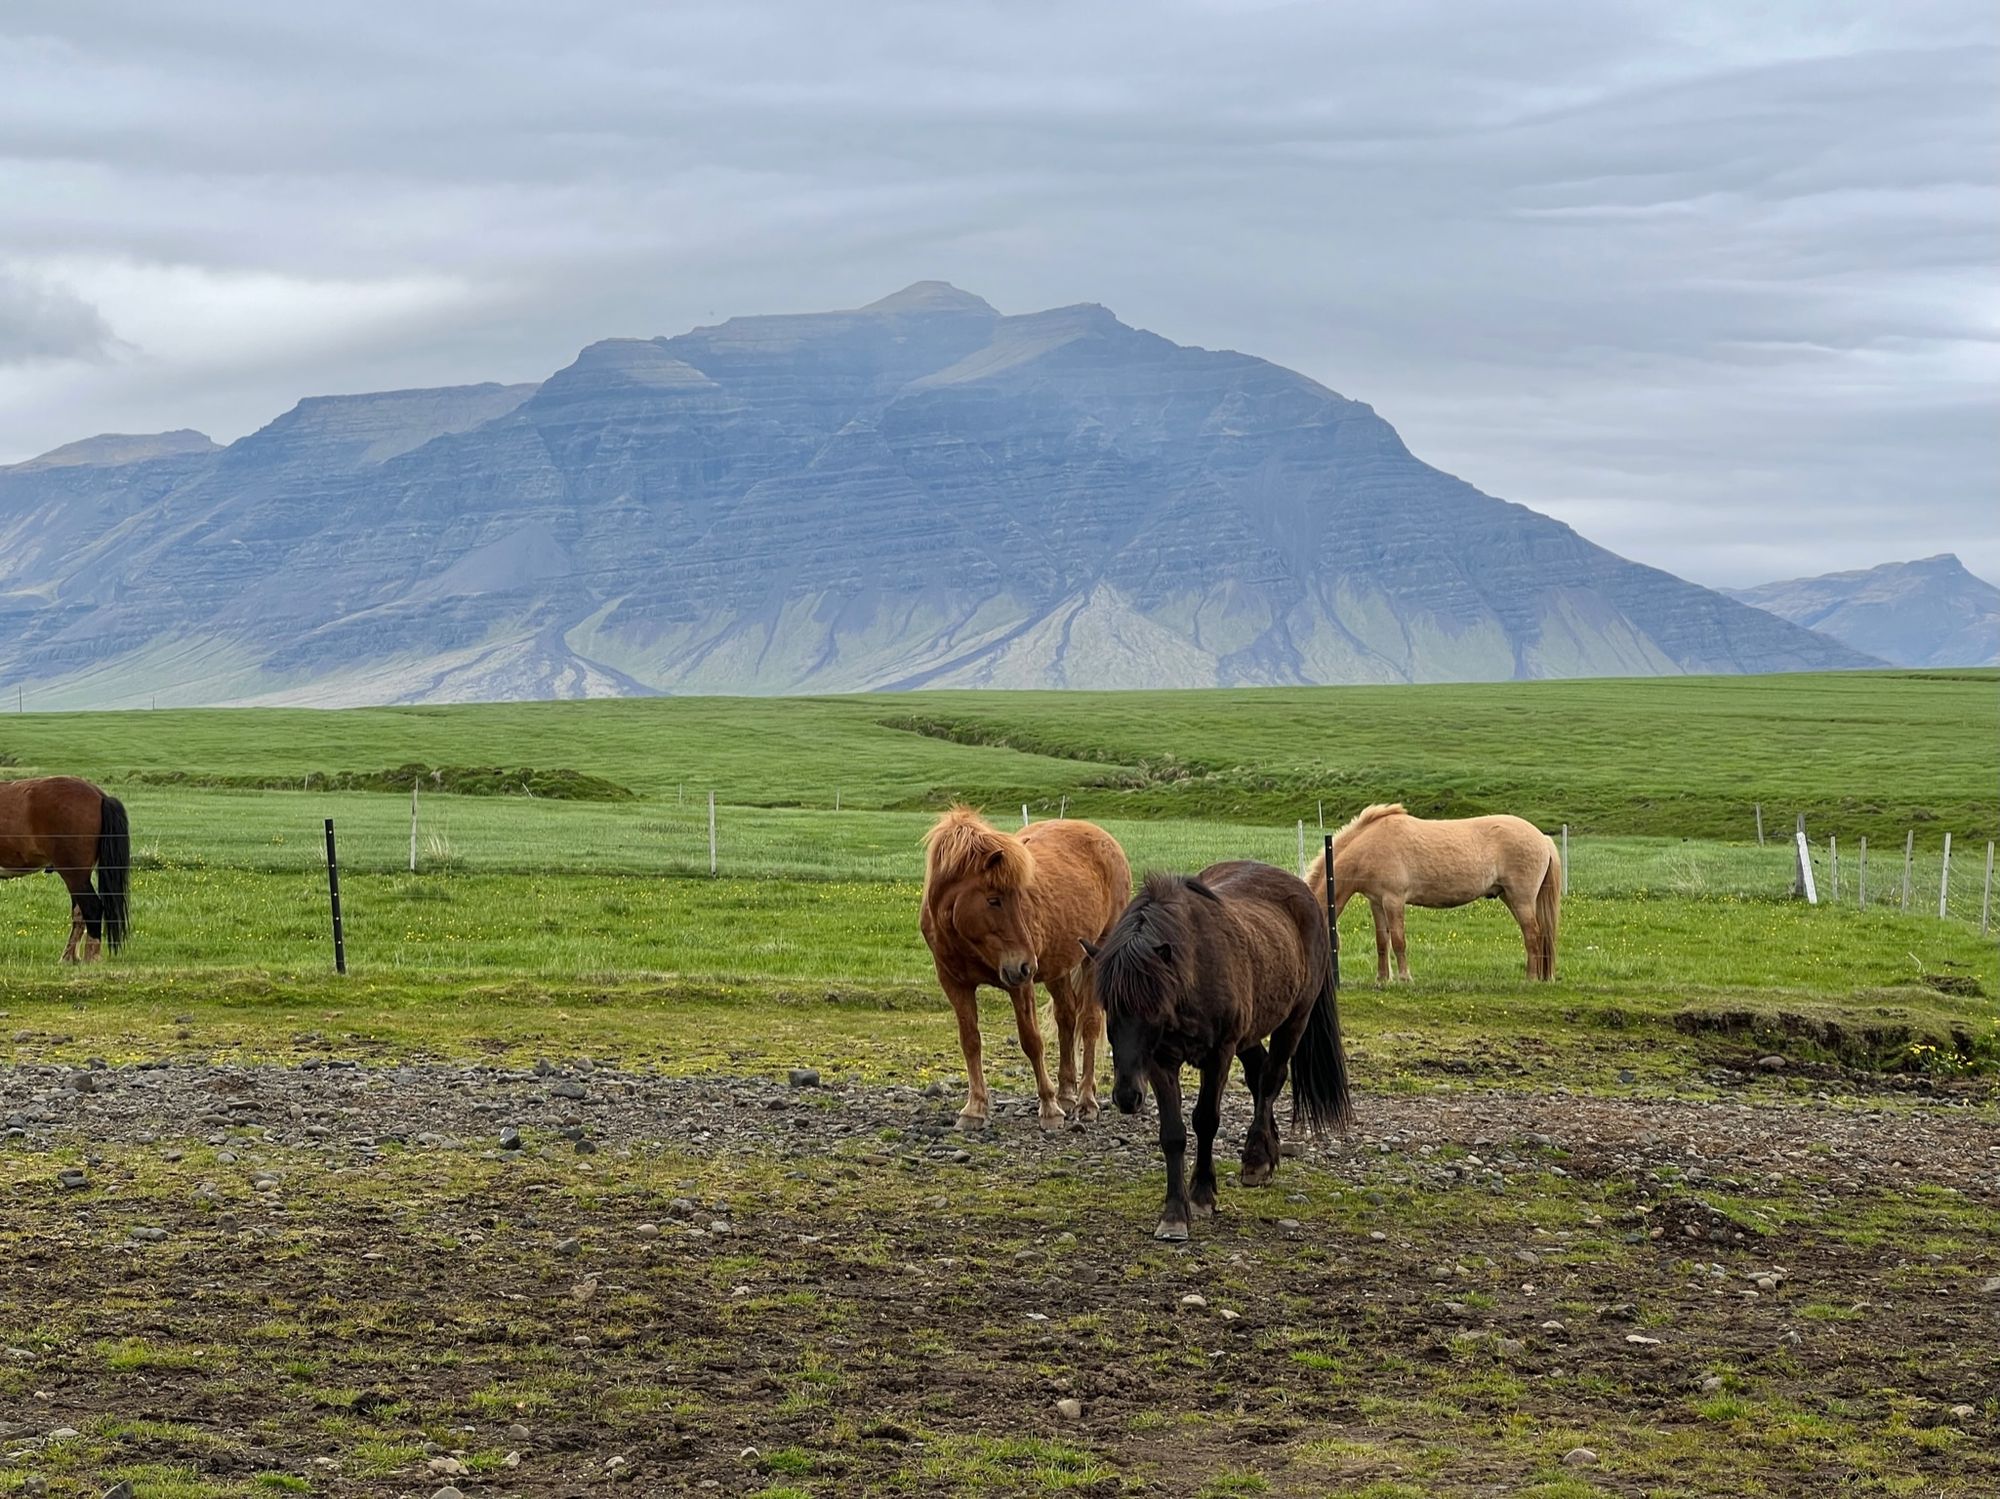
(93, 925)
(1380, 918)
(1260, 1144)
(1531, 932)
(80, 894)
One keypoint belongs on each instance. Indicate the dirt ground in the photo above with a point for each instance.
(387, 1280)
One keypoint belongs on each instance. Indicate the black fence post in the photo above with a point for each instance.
(333, 892)
(1332, 921)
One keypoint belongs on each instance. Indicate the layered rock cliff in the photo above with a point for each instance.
(921, 492)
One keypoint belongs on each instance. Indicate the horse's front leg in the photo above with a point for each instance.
(1029, 1024)
(1062, 999)
(1207, 1115)
(1173, 1145)
(965, 1005)
(1380, 918)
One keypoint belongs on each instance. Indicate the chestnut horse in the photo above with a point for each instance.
(1200, 971)
(1006, 909)
(65, 826)
(1397, 860)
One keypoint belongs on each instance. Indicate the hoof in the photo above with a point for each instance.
(1174, 1233)
(1054, 1120)
(1202, 1209)
(969, 1121)
(1255, 1176)
(1086, 1111)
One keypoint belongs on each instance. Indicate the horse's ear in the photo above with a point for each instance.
(1166, 953)
(1090, 949)
(995, 859)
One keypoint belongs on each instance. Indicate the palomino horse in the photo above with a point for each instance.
(1200, 970)
(1397, 860)
(65, 826)
(1005, 909)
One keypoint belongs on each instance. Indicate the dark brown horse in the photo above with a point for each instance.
(1007, 909)
(1201, 970)
(61, 825)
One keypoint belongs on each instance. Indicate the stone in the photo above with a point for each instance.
(510, 1139)
(72, 1179)
(1070, 1408)
(1576, 1457)
(805, 1077)
(1773, 1063)
(569, 1088)
(149, 1235)
(1195, 1298)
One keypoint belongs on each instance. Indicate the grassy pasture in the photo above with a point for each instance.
(384, 1304)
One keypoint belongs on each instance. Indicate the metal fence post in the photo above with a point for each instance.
(333, 894)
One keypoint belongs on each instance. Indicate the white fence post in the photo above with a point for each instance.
(1302, 848)
(1861, 878)
(1760, 824)
(711, 835)
(1806, 885)
(1565, 879)
(1944, 876)
(1024, 814)
(1833, 866)
(413, 826)
(1909, 853)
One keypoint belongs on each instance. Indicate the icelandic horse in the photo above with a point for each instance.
(64, 826)
(1396, 860)
(1005, 909)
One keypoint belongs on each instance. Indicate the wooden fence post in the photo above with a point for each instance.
(1909, 852)
(1332, 925)
(1833, 866)
(711, 835)
(333, 896)
(1805, 885)
(1944, 876)
(1760, 824)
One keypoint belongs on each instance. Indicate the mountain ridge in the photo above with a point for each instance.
(1931, 611)
(923, 491)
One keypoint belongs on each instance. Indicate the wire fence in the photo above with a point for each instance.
(241, 877)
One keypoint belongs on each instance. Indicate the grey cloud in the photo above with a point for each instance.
(40, 322)
(1630, 263)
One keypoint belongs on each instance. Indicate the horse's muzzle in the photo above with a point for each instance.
(1013, 975)
(1126, 1096)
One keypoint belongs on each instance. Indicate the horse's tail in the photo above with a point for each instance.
(114, 871)
(1548, 909)
(1319, 1067)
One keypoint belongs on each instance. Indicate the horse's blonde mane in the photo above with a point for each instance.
(963, 842)
(1367, 815)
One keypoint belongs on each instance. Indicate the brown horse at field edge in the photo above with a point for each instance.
(1397, 860)
(1006, 909)
(65, 826)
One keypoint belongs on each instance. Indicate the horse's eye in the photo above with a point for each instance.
(993, 901)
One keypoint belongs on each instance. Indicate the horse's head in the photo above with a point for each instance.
(991, 919)
(976, 885)
(1138, 974)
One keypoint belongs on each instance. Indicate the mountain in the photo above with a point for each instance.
(920, 492)
(1927, 613)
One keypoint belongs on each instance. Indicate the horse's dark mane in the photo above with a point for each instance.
(1137, 970)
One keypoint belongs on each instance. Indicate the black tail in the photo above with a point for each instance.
(114, 871)
(1319, 1068)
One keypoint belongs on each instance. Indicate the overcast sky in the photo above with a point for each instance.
(1712, 282)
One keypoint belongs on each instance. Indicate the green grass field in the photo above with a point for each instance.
(537, 927)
